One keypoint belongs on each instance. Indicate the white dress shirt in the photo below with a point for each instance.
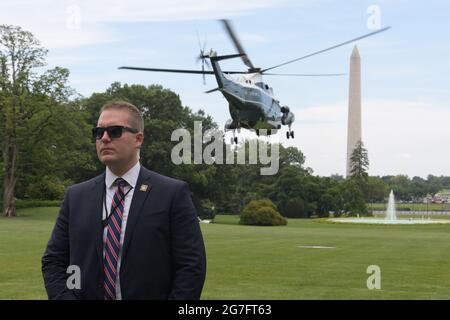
(131, 178)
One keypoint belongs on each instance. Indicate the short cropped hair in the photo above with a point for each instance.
(137, 121)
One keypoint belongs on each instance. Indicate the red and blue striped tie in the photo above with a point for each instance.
(112, 243)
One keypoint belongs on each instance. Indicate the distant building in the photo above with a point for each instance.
(442, 196)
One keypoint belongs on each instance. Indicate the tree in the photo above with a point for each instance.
(291, 156)
(28, 102)
(359, 161)
(377, 189)
(62, 155)
(353, 199)
(400, 184)
(359, 164)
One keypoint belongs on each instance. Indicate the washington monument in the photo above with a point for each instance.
(354, 106)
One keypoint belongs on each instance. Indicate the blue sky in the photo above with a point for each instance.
(405, 71)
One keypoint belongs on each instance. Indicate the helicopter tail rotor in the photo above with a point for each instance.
(203, 57)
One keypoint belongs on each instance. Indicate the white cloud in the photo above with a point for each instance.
(249, 39)
(402, 137)
(404, 155)
(55, 24)
(135, 10)
(71, 59)
(253, 38)
(66, 23)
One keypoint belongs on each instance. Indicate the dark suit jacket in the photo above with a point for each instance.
(163, 254)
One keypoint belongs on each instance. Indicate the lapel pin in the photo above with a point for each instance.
(144, 187)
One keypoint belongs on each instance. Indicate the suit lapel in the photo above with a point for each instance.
(96, 197)
(139, 196)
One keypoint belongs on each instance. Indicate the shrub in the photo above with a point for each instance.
(21, 203)
(46, 188)
(255, 204)
(262, 213)
(206, 210)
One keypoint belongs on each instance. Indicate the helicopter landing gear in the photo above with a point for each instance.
(234, 139)
(265, 132)
(290, 133)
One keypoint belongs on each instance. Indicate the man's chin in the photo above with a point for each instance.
(107, 160)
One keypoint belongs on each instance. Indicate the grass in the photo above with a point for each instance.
(246, 262)
(22, 243)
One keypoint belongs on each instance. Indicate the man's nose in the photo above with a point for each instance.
(105, 137)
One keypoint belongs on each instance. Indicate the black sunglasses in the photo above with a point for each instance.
(113, 131)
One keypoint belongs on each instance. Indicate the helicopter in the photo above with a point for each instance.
(252, 103)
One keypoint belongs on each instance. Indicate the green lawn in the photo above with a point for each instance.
(22, 243)
(267, 263)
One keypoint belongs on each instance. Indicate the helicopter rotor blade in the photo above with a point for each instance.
(199, 46)
(179, 70)
(205, 72)
(208, 64)
(202, 56)
(212, 90)
(229, 29)
(327, 49)
(306, 74)
(204, 45)
(168, 70)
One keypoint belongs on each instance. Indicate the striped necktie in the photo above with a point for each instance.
(112, 243)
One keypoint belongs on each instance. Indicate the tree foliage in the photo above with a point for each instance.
(359, 161)
(33, 113)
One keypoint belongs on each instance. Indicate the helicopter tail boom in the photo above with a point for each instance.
(228, 56)
(217, 70)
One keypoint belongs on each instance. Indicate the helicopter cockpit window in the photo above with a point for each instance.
(260, 84)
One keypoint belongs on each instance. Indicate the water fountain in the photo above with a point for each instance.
(390, 218)
(391, 214)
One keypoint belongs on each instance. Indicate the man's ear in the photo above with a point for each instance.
(139, 138)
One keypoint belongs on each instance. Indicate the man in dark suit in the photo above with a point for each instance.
(133, 233)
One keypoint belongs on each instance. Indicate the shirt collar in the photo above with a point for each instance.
(130, 176)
